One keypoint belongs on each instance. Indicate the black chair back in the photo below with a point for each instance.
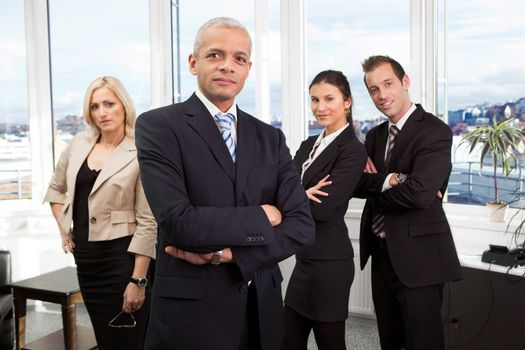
(5, 267)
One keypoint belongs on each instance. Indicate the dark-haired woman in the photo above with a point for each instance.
(331, 165)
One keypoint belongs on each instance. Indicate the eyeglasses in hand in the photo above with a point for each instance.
(117, 321)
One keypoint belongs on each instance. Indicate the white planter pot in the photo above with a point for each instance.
(497, 212)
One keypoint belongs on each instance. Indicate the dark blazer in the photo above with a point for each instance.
(344, 159)
(204, 202)
(418, 235)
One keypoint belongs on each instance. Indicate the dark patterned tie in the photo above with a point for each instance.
(392, 134)
(224, 122)
(378, 221)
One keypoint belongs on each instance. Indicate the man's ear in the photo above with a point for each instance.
(406, 81)
(192, 60)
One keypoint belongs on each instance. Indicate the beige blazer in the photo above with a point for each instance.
(117, 204)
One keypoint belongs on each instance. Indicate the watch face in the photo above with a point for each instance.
(143, 282)
(401, 178)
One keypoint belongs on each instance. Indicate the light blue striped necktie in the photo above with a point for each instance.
(224, 122)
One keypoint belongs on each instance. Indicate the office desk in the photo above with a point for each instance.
(60, 287)
(485, 309)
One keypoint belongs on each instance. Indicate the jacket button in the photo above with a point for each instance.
(243, 289)
(249, 239)
(93, 220)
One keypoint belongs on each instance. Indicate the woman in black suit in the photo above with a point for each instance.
(331, 165)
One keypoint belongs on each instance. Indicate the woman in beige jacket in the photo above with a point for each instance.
(103, 217)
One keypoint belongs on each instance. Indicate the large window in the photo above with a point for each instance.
(93, 38)
(341, 34)
(481, 76)
(15, 165)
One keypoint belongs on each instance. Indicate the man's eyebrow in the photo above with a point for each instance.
(214, 50)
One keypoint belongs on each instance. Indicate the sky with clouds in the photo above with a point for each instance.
(95, 37)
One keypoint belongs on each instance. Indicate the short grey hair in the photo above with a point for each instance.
(218, 22)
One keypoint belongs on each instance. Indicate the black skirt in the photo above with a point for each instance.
(104, 269)
(320, 289)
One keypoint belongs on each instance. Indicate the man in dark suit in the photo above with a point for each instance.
(229, 206)
(403, 226)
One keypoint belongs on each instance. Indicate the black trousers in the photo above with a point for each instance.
(407, 318)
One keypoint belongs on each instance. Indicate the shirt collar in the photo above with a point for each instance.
(213, 109)
(404, 118)
(328, 139)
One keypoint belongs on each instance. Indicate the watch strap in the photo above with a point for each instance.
(141, 282)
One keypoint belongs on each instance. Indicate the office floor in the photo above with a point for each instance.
(44, 318)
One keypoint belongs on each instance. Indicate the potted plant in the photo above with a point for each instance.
(500, 140)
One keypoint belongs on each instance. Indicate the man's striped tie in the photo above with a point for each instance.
(378, 221)
(224, 122)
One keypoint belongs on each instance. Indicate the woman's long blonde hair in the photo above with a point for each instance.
(118, 89)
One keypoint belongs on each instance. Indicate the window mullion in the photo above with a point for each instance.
(293, 71)
(161, 53)
(39, 95)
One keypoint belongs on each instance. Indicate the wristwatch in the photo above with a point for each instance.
(401, 178)
(142, 282)
(216, 258)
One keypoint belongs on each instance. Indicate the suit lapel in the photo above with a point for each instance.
(81, 153)
(380, 146)
(245, 152)
(123, 154)
(304, 152)
(405, 135)
(201, 121)
(326, 155)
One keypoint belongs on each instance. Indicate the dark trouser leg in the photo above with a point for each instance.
(329, 335)
(388, 313)
(421, 309)
(296, 330)
(406, 317)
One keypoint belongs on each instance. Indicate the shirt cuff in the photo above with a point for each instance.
(386, 184)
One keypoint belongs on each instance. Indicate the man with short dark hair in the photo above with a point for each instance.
(403, 225)
(229, 206)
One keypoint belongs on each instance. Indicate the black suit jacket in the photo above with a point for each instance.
(204, 202)
(344, 159)
(418, 235)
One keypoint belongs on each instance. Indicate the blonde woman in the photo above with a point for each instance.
(97, 199)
